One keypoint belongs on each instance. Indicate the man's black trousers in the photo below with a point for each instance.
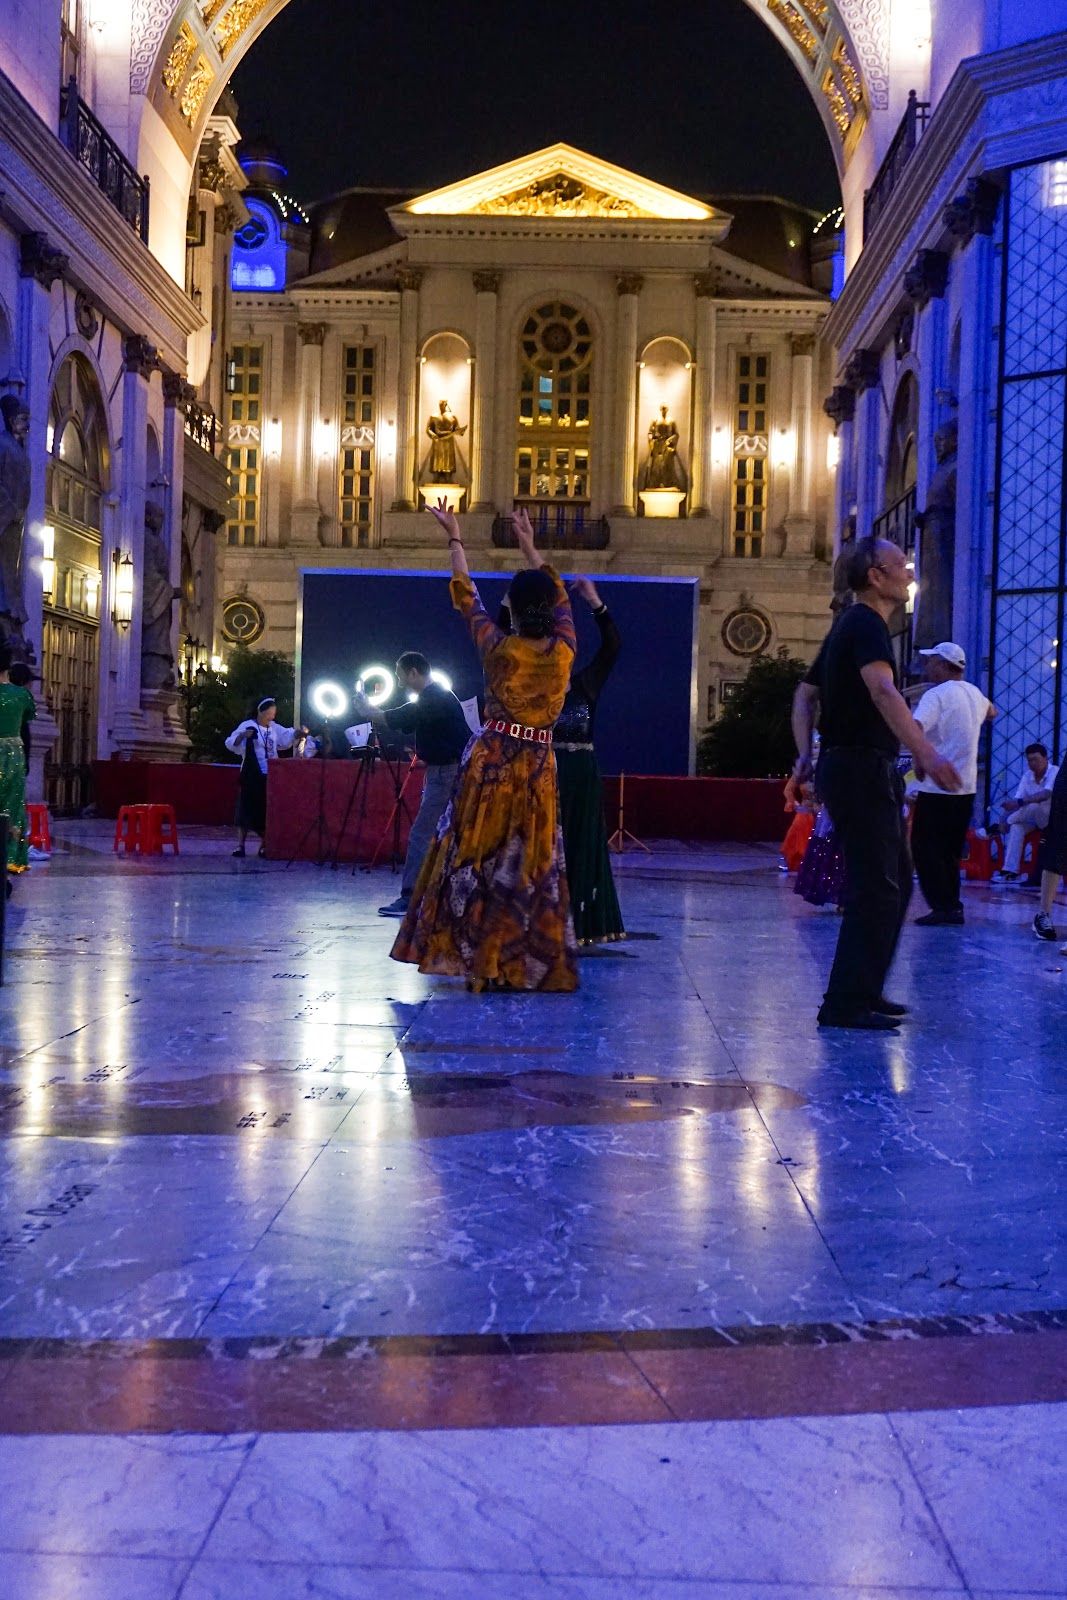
(864, 795)
(938, 835)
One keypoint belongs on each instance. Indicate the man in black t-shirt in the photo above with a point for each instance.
(434, 723)
(851, 691)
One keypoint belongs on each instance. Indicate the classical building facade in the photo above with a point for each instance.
(951, 363)
(557, 334)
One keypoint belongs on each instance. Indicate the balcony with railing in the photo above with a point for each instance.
(90, 144)
(901, 149)
(556, 528)
(201, 425)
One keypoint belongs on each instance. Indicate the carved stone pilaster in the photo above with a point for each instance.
(706, 285)
(802, 344)
(863, 370)
(225, 220)
(927, 277)
(176, 392)
(409, 277)
(311, 332)
(629, 283)
(139, 355)
(486, 282)
(972, 212)
(840, 404)
(40, 260)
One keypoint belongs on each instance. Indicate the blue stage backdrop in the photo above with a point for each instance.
(350, 620)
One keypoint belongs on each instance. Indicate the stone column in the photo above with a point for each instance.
(40, 264)
(128, 724)
(176, 396)
(800, 521)
(840, 407)
(703, 463)
(409, 279)
(925, 283)
(307, 512)
(625, 408)
(863, 376)
(486, 285)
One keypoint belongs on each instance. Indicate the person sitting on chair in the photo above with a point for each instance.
(434, 723)
(1029, 811)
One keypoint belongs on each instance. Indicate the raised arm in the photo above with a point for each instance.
(593, 677)
(524, 534)
(450, 523)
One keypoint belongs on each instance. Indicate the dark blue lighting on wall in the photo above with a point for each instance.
(259, 252)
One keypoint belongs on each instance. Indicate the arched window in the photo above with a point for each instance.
(902, 468)
(552, 458)
(77, 480)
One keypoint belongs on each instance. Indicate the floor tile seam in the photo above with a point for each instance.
(250, 1252)
(671, 1414)
(775, 1144)
(920, 1486)
(214, 1521)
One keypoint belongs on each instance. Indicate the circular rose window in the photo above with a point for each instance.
(746, 632)
(242, 620)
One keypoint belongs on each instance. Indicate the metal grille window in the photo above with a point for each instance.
(555, 416)
(750, 453)
(357, 446)
(244, 436)
(1027, 679)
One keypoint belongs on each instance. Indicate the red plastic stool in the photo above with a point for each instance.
(982, 857)
(129, 828)
(160, 828)
(1031, 849)
(38, 827)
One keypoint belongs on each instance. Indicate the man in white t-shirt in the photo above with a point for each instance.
(952, 714)
(1029, 811)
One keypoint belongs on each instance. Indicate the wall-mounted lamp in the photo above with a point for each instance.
(833, 452)
(272, 438)
(48, 560)
(783, 447)
(325, 439)
(720, 447)
(122, 591)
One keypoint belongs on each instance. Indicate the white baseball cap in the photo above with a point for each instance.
(954, 654)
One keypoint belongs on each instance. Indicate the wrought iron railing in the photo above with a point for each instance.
(901, 149)
(898, 524)
(90, 143)
(201, 425)
(557, 528)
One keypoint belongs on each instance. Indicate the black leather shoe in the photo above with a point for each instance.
(866, 1021)
(889, 1008)
(940, 919)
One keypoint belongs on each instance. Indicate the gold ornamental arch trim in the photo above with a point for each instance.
(184, 52)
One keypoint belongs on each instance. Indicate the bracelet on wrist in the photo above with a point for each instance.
(455, 539)
(600, 609)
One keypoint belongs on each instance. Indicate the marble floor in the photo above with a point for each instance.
(320, 1278)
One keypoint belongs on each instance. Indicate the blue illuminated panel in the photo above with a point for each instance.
(259, 252)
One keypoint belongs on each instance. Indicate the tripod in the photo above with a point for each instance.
(401, 776)
(360, 788)
(617, 842)
(318, 822)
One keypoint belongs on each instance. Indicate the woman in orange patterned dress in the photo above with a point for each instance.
(491, 903)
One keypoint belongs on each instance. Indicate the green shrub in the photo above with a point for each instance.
(220, 701)
(752, 738)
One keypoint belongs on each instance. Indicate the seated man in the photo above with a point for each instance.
(1029, 810)
(434, 722)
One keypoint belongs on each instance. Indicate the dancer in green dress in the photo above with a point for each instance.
(594, 903)
(16, 709)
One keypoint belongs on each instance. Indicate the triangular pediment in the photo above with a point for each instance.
(562, 183)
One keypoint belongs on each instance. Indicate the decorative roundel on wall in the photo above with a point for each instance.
(243, 621)
(746, 632)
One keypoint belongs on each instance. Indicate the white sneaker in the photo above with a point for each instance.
(1003, 880)
(39, 855)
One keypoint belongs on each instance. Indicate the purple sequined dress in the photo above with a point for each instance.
(821, 878)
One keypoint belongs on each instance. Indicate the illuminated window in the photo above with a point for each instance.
(555, 376)
(1055, 184)
(356, 460)
(70, 39)
(258, 252)
(748, 505)
(244, 439)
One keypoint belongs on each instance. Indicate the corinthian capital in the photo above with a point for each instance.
(311, 332)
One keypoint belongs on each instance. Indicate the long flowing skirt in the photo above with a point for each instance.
(491, 902)
(594, 903)
(821, 876)
(251, 811)
(13, 801)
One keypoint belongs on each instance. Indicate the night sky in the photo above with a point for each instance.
(694, 93)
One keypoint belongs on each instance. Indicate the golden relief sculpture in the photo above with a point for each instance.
(443, 429)
(558, 196)
(818, 11)
(181, 53)
(209, 10)
(788, 14)
(850, 78)
(840, 109)
(237, 19)
(199, 81)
